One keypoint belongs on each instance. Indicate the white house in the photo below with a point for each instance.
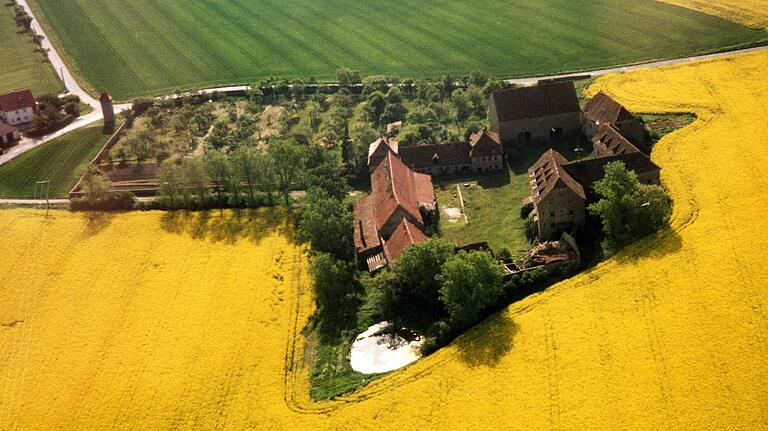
(17, 108)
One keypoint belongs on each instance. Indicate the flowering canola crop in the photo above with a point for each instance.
(752, 13)
(151, 321)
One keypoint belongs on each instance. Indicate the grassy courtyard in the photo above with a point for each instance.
(60, 161)
(493, 202)
(148, 47)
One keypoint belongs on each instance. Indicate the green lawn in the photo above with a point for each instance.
(61, 161)
(142, 47)
(493, 202)
(21, 66)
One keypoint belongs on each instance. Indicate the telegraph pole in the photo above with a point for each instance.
(45, 185)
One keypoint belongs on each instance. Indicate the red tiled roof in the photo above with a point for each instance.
(366, 234)
(537, 101)
(405, 235)
(603, 109)
(393, 186)
(484, 143)
(6, 129)
(426, 156)
(425, 191)
(380, 145)
(548, 174)
(609, 142)
(17, 100)
(586, 172)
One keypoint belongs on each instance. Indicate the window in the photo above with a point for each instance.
(552, 214)
(570, 212)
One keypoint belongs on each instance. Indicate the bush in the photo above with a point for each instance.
(115, 201)
(526, 210)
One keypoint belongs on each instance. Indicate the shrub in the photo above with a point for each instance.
(114, 201)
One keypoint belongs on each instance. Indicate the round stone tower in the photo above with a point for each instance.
(107, 109)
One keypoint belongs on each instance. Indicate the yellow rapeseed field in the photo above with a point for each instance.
(150, 321)
(752, 13)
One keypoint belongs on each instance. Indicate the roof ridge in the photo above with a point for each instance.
(392, 179)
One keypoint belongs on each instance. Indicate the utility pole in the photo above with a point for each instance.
(45, 186)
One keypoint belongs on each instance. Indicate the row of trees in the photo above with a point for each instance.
(244, 177)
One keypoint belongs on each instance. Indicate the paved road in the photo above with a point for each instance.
(72, 87)
(534, 80)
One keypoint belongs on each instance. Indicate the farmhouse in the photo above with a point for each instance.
(483, 153)
(8, 134)
(603, 110)
(561, 189)
(17, 108)
(538, 113)
(395, 214)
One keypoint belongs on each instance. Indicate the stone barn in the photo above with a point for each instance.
(603, 110)
(539, 113)
(559, 201)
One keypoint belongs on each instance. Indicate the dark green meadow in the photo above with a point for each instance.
(141, 47)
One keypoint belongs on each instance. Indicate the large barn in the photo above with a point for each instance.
(539, 113)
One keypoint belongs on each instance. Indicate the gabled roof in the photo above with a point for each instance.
(6, 129)
(533, 102)
(425, 192)
(393, 186)
(588, 171)
(603, 109)
(405, 235)
(548, 174)
(366, 235)
(379, 146)
(609, 142)
(17, 100)
(484, 143)
(425, 156)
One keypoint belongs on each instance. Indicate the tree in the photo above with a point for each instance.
(141, 145)
(446, 86)
(220, 137)
(462, 106)
(348, 77)
(286, 158)
(478, 78)
(324, 170)
(171, 182)
(471, 282)
(628, 210)
(219, 171)
(333, 280)
(416, 269)
(653, 208)
(375, 106)
(491, 86)
(326, 223)
(252, 169)
(95, 186)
